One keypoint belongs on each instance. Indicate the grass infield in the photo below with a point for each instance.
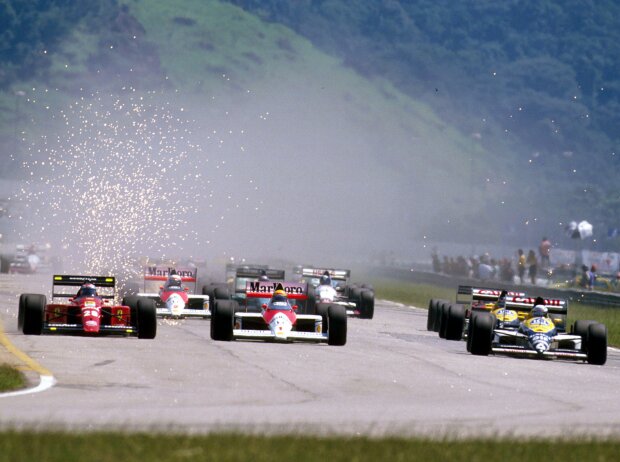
(10, 378)
(103, 447)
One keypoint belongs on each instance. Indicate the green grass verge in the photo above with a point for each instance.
(63, 447)
(420, 294)
(10, 378)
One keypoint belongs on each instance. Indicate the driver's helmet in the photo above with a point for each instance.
(539, 310)
(174, 280)
(325, 280)
(279, 296)
(263, 276)
(501, 301)
(87, 290)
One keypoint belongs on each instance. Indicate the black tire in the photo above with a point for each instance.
(132, 302)
(354, 294)
(34, 313)
(206, 289)
(222, 320)
(455, 322)
(432, 312)
(337, 325)
(311, 301)
(20, 313)
(146, 315)
(470, 326)
(444, 311)
(5, 263)
(367, 304)
(597, 344)
(221, 292)
(367, 287)
(321, 310)
(581, 326)
(348, 288)
(437, 325)
(482, 334)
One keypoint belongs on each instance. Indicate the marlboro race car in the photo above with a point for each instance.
(451, 320)
(538, 336)
(164, 285)
(331, 286)
(87, 312)
(278, 320)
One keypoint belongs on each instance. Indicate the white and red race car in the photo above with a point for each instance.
(278, 320)
(169, 288)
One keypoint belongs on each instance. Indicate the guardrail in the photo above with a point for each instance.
(449, 281)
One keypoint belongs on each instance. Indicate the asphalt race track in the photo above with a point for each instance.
(392, 377)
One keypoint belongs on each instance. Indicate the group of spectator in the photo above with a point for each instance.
(487, 268)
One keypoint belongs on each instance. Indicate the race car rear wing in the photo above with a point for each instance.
(275, 274)
(265, 289)
(525, 304)
(160, 273)
(335, 274)
(467, 294)
(62, 280)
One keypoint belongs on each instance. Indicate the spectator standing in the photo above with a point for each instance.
(520, 264)
(584, 281)
(544, 250)
(532, 263)
(592, 277)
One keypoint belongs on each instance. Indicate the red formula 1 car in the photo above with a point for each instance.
(87, 312)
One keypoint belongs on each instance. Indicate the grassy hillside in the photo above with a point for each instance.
(262, 95)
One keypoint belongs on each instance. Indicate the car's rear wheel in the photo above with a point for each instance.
(455, 322)
(597, 344)
(432, 312)
(221, 292)
(222, 320)
(367, 304)
(22, 310)
(311, 304)
(34, 313)
(443, 318)
(470, 326)
(147, 318)
(337, 325)
(581, 326)
(437, 325)
(354, 295)
(482, 334)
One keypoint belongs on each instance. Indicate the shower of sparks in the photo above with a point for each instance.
(121, 181)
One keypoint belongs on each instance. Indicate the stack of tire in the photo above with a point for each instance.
(363, 295)
(446, 318)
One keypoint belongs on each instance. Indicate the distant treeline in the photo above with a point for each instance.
(544, 72)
